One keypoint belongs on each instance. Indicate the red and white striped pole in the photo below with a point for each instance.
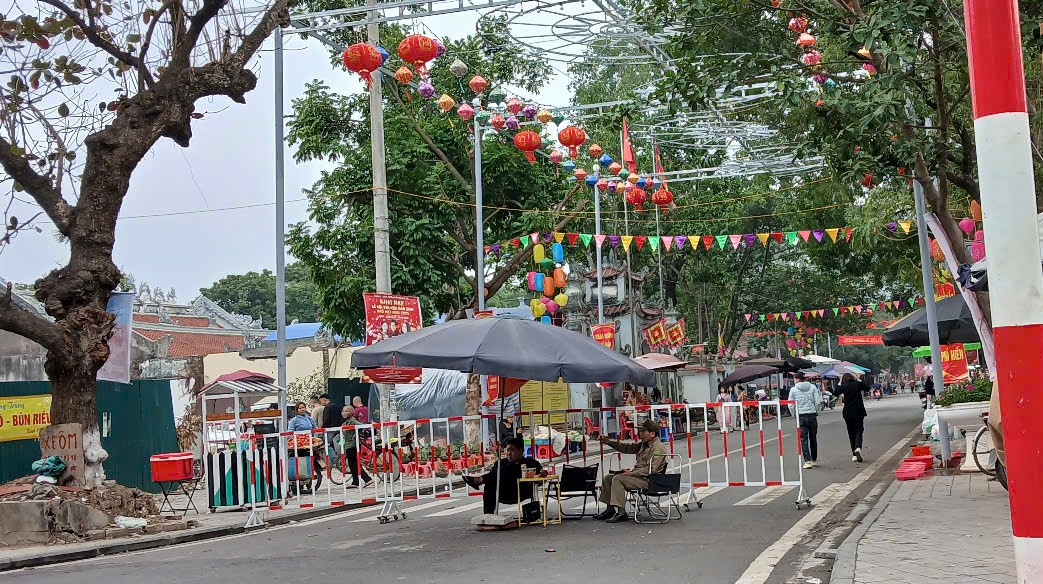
(1001, 127)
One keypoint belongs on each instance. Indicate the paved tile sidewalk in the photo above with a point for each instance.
(940, 529)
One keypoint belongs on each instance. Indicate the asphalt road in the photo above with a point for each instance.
(437, 544)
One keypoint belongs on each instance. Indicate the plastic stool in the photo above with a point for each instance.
(528, 450)
(543, 451)
(664, 434)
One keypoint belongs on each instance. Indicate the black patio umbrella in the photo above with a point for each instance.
(749, 373)
(955, 325)
(511, 347)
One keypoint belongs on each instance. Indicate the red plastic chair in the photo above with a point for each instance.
(590, 427)
(626, 429)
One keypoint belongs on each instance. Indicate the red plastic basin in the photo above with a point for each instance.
(172, 466)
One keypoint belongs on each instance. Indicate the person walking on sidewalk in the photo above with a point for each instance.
(806, 399)
(350, 444)
(854, 413)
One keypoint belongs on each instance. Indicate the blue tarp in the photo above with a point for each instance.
(442, 394)
(304, 330)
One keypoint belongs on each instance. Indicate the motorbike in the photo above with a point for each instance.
(828, 401)
(877, 394)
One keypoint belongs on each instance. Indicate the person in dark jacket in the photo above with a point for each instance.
(854, 412)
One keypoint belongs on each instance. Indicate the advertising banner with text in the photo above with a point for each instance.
(390, 315)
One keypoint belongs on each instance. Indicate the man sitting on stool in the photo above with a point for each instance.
(512, 471)
(649, 450)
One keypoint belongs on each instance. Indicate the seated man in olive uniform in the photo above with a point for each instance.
(650, 452)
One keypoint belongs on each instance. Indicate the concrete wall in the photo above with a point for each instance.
(301, 363)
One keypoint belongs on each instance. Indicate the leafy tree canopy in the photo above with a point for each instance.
(253, 293)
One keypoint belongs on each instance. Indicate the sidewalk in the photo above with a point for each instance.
(934, 529)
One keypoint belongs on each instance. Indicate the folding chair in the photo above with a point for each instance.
(579, 481)
(650, 499)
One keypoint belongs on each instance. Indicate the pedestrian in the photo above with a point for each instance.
(507, 430)
(724, 414)
(350, 443)
(657, 395)
(806, 397)
(330, 413)
(316, 407)
(361, 411)
(854, 413)
(302, 421)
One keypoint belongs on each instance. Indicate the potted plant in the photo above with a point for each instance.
(961, 404)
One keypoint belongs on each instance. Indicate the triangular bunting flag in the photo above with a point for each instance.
(762, 317)
(640, 241)
(807, 313)
(516, 242)
(558, 236)
(547, 237)
(890, 305)
(836, 312)
(573, 238)
(833, 233)
(614, 240)
(905, 225)
(763, 237)
(586, 237)
(722, 240)
(805, 235)
(535, 237)
(653, 242)
(680, 240)
(785, 316)
(771, 317)
(735, 239)
(748, 317)
(777, 236)
(708, 241)
(918, 301)
(791, 237)
(694, 241)
(749, 238)
(626, 239)
(858, 309)
(819, 234)
(850, 231)
(821, 312)
(599, 239)
(667, 242)
(845, 309)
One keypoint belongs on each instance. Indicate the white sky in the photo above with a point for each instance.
(229, 164)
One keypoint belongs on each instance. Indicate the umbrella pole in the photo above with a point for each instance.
(499, 447)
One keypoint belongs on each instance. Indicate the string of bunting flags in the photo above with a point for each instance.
(678, 242)
(836, 311)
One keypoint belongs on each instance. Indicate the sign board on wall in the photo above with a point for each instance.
(954, 364)
(22, 417)
(65, 441)
(541, 396)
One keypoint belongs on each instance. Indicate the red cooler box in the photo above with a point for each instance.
(173, 466)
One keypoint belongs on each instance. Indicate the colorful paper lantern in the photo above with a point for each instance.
(967, 225)
(546, 264)
(642, 182)
(532, 305)
(820, 78)
(458, 68)
(869, 68)
(614, 168)
(892, 227)
(478, 84)
(530, 278)
(548, 287)
(568, 165)
(538, 253)
(557, 252)
(497, 122)
(528, 142)
(798, 24)
(562, 299)
(418, 50)
(633, 178)
(552, 307)
(363, 59)
(544, 116)
(427, 91)
(465, 111)
(546, 320)
(602, 185)
(811, 58)
(512, 123)
(555, 156)
(979, 235)
(439, 48)
(483, 117)
(605, 160)
(560, 280)
(403, 75)
(592, 181)
(538, 283)
(383, 54)
(636, 197)
(580, 174)
(572, 138)
(595, 151)
(806, 39)
(529, 111)
(515, 105)
(662, 197)
(446, 103)
(497, 95)
(976, 211)
(539, 310)
(936, 251)
(978, 251)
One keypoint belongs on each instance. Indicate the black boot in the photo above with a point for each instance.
(619, 517)
(606, 514)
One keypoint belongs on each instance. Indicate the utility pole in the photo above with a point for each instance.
(280, 225)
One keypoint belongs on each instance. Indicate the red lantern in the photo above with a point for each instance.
(614, 168)
(362, 59)
(498, 122)
(478, 84)
(602, 185)
(936, 251)
(636, 197)
(417, 50)
(528, 142)
(404, 75)
(662, 197)
(572, 138)
(799, 24)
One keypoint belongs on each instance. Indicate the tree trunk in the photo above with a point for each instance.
(74, 400)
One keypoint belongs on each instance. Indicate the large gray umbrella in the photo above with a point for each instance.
(510, 347)
(955, 325)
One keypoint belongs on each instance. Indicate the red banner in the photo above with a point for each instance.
(954, 364)
(389, 315)
(853, 340)
(604, 334)
(675, 333)
(655, 335)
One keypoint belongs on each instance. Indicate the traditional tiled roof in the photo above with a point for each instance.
(195, 344)
(194, 321)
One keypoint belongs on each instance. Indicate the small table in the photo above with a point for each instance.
(185, 487)
(541, 486)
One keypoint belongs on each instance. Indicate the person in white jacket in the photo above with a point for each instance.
(806, 399)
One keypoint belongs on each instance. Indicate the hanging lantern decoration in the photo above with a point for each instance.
(967, 225)
(557, 253)
(446, 103)
(806, 39)
(636, 197)
(614, 168)
(580, 174)
(363, 59)
(605, 160)
(572, 138)
(439, 48)
(657, 183)
(483, 117)
(548, 287)
(384, 56)
(418, 50)
(869, 68)
(546, 320)
(539, 310)
(811, 58)
(820, 78)
(555, 156)
(976, 211)
(562, 299)
(936, 251)
(528, 142)
(512, 123)
(427, 91)
(530, 278)
(558, 118)
(538, 253)
(612, 186)
(533, 303)
(478, 84)
(595, 151)
(979, 235)
(465, 111)
(560, 280)
(497, 95)
(864, 53)
(403, 75)
(552, 307)
(592, 181)
(568, 165)
(547, 264)
(497, 122)
(602, 185)
(633, 178)
(529, 111)
(538, 283)
(798, 24)
(662, 197)
(867, 180)
(978, 251)
(515, 105)
(544, 116)
(458, 68)
(642, 182)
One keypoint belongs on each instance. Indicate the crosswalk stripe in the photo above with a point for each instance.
(456, 510)
(766, 495)
(405, 509)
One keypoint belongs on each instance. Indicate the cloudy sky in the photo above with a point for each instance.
(194, 215)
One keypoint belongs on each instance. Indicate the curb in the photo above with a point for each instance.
(844, 566)
(153, 542)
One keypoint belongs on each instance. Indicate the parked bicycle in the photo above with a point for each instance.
(984, 453)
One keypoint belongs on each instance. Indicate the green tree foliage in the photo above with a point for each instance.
(430, 172)
(253, 293)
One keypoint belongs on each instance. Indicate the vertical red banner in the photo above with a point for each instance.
(604, 334)
(387, 316)
(954, 364)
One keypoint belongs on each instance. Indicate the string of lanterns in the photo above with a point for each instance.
(548, 282)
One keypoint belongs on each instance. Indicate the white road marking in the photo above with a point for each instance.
(760, 570)
(376, 510)
(456, 510)
(766, 495)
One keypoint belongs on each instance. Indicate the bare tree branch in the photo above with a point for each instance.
(23, 323)
(37, 185)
